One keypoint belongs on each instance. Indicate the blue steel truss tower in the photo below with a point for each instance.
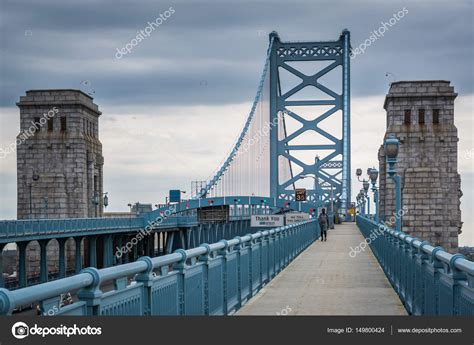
(330, 170)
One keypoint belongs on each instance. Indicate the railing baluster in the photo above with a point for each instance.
(428, 280)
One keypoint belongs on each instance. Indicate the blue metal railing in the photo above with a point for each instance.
(166, 217)
(12, 230)
(428, 280)
(212, 279)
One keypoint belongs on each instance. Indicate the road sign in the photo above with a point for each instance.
(175, 195)
(300, 194)
(292, 218)
(266, 221)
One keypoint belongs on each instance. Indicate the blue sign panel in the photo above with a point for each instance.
(175, 195)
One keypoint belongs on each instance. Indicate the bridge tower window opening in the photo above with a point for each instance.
(436, 116)
(421, 116)
(37, 121)
(63, 124)
(407, 119)
(50, 124)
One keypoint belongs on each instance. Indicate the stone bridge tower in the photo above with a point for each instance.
(59, 165)
(59, 155)
(421, 115)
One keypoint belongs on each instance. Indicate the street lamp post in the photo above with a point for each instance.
(95, 202)
(391, 147)
(366, 189)
(362, 198)
(373, 174)
(106, 199)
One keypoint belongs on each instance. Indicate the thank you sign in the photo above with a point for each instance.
(267, 220)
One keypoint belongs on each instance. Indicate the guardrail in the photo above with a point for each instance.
(11, 230)
(429, 280)
(168, 216)
(212, 279)
(33, 229)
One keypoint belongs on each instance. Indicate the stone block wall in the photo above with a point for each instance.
(421, 115)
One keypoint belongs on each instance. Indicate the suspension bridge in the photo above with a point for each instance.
(205, 256)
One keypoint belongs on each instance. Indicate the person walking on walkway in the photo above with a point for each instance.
(323, 221)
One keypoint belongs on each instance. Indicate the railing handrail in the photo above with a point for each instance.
(93, 277)
(458, 262)
(428, 279)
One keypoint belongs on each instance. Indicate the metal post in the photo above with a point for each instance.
(391, 146)
(2, 282)
(107, 251)
(274, 116)
(376, 200)
(126, 253)
(62, 257)
(119, 245)
(22, 263)
(346, 129)
(398, 202)
(93, 251)
(43, 261)
(368, 206)
(78, 254)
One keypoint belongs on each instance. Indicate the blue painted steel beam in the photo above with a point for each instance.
(338, 53)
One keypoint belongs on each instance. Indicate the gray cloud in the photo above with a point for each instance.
(204, 63)
(211, 52)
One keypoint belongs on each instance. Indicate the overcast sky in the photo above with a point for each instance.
(174, 105)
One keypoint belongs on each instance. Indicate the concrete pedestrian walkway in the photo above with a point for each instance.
(325, 280)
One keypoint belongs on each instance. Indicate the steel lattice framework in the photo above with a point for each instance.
(331, 172)
(265, 162)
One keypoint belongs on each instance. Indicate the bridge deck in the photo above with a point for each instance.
(325, 280)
